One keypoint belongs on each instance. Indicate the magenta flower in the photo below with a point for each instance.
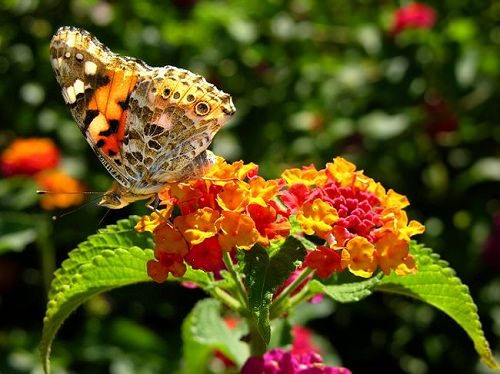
(280, 361)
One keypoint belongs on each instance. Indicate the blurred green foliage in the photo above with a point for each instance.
(418, 111)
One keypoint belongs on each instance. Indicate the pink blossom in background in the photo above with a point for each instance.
(413, 16)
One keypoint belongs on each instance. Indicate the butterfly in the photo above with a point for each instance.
(149, 126)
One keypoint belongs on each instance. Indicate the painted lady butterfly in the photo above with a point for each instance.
(148, 126)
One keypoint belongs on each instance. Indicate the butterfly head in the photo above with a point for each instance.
(118, 197)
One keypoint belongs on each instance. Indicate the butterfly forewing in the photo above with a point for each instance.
(147, 125)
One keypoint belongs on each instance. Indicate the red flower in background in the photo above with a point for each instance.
(303, 341)
(491, 249)
(413, 16)
(440, 117)
(28, 157)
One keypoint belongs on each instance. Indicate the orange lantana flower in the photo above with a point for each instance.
(197, 226)
(237, 230)
(393, 252)
(234, 196)
(307, 175)
(360, 257)
(317, 217)
(169, 240)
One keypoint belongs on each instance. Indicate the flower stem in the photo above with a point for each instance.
(277, 305)
(258, 345)
(226, 299)
(46, 252)
(240, 287)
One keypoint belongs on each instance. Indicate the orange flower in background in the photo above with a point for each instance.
(29, 156)
(65, 190)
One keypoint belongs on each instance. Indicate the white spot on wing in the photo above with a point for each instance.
(79, 87)
(92, 49)
(65, 95)
(70, 40)
(70, 92)
(90, 68)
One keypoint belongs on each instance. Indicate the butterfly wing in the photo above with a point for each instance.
(172, 118)
(148, 126)
(96, 84)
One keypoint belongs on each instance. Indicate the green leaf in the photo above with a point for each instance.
(121, 235)
(436, 284)
(204, 332)
(263, 276)
(112, 258)
(347, 292)
(256, 269)
(283, 262)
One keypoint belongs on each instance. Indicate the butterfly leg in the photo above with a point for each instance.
(153, 204)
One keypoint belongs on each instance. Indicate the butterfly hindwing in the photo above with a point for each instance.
(167, 129)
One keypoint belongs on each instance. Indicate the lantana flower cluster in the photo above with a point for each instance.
(231, 207)
(364, 227)
(39, 158)
(356, 223)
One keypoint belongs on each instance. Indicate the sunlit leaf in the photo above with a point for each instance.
(112, 258)
(435, 283)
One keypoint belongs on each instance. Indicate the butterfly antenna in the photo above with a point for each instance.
(103, 217)
(56, 217)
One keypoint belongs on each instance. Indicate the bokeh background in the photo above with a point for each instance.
(409, 92)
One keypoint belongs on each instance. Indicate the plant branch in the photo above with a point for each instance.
(285, 295)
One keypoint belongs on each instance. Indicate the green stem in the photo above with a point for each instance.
(258, 345)
(298, 298)
(46, 251)
(227, 299)
(284, 296)
(240, 287)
